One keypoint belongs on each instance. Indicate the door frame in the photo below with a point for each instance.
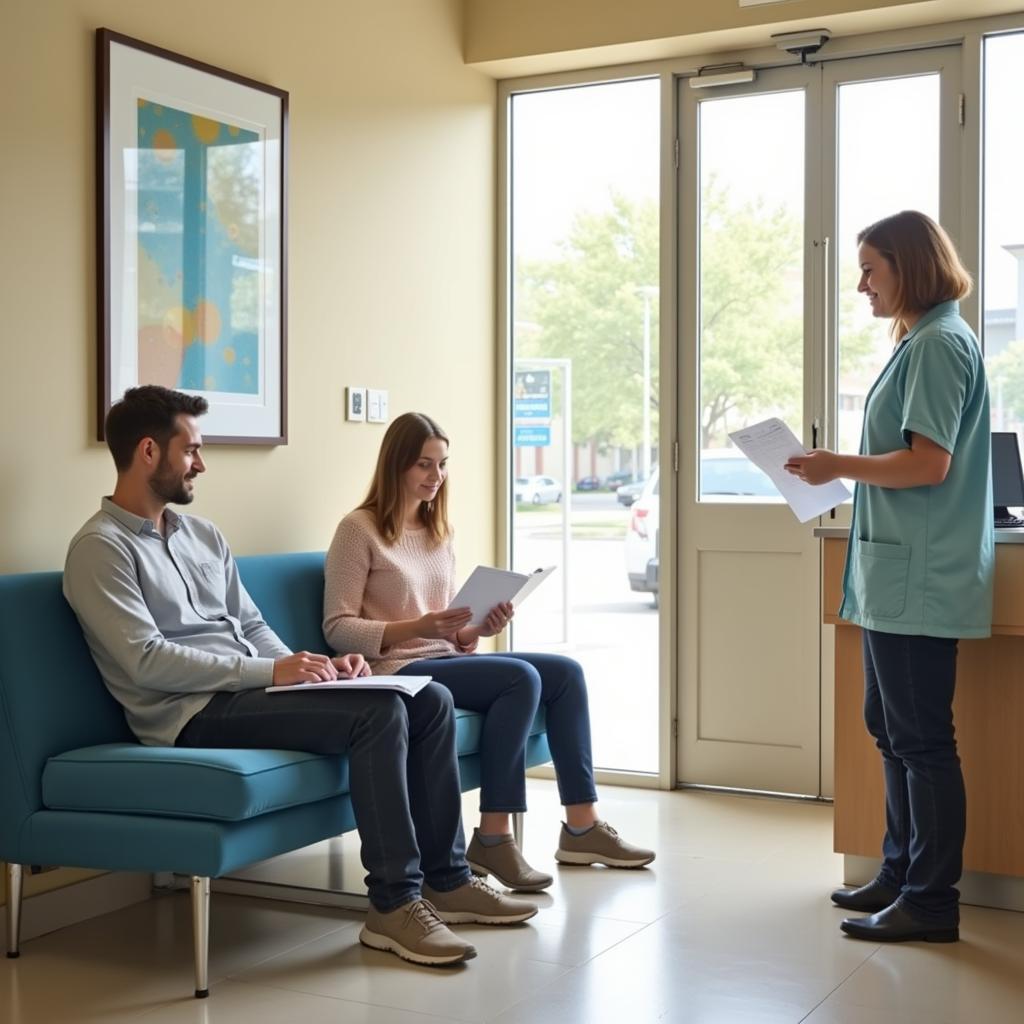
(762, 531)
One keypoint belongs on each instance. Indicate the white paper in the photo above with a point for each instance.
(769, 445)
(409, 685)
(487, 587)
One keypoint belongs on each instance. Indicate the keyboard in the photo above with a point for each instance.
(1008, 522)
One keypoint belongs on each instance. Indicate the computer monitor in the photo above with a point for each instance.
(1007, 476)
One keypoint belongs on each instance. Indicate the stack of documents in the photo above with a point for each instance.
(410, 685)
(769, 445)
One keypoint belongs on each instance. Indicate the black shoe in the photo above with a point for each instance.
(894, 924)
(868, 898)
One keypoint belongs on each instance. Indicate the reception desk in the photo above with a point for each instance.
(989, 719)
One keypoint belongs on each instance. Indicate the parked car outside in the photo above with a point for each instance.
(726, 475)
(589, 483)
(642, 540)
(628, 493)
(537, 490)
(620, 476)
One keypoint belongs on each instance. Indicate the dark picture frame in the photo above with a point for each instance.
(191, 185)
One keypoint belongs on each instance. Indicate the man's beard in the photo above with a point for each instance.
(168, 486)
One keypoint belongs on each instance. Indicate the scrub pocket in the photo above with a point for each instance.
(881, 572)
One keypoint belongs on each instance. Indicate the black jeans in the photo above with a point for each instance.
(404, 775)
(908, 707)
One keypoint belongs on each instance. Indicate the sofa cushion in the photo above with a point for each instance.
(225, 785)
(193, 782)
(289, 592)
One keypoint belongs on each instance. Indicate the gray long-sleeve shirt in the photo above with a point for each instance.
(167, 619)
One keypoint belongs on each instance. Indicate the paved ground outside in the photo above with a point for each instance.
(613, 632)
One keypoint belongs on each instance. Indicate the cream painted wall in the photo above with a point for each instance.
(516, 28)
(391, 261)
(510, 38)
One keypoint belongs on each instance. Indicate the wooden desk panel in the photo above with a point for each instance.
(834, 560)
(859, 789)
(1008, 591)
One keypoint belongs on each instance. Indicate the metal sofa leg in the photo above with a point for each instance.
(201, 932)
(14, 876)
(517, 828)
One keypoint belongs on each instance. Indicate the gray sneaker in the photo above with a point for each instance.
(506, 863)
(416, 933)
(477, 903)
(600, 845)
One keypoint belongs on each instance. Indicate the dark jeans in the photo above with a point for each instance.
(908, 708)
(507, 689)
(404, 776)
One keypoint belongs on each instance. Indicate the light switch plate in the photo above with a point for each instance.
(355, 404)
(376, 406)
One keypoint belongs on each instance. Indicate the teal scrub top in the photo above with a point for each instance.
(920, 559)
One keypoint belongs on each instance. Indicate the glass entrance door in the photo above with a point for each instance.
(584, 402)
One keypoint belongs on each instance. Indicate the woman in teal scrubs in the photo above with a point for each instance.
(919, 567)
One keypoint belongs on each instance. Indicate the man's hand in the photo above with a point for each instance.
(443, 625)
(304, 667)
(351, 666)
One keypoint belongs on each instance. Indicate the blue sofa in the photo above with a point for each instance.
(77, 789)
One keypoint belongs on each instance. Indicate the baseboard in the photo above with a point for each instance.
(59, 908)
(292, 893)
(604, 777)
(977, 888)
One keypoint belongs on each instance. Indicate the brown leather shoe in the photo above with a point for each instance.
(506, 863)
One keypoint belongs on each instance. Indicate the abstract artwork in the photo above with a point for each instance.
(192, 204)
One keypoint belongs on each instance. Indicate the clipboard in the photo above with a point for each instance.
(487, 586)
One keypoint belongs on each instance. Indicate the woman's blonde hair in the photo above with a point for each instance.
(401, 448)
(928, 269)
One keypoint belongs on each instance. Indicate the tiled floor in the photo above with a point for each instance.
(731, 924)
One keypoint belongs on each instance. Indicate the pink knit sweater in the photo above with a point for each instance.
(369, 583)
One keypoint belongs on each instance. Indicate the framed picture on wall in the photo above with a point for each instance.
(191, 237)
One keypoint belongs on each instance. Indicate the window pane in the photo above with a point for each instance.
(888, 160)
(751, 279)
(1003, 291)
(585, 165)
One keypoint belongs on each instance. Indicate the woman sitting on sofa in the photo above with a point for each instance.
(390, 578)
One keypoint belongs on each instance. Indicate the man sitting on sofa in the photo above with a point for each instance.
(180, 644)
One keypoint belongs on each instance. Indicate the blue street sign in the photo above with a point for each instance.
(533, 437)
(531, 398)
(533, 408)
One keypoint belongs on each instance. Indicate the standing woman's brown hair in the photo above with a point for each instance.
(925, 261)
(402, 445)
